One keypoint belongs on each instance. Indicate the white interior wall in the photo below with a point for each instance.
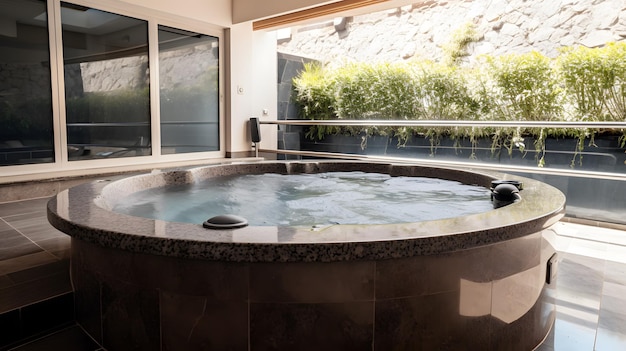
(251, 84)
(264, 80)
(239, 87)
(217, 12)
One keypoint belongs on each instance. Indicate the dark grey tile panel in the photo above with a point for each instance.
(201, 323)
(304, 327)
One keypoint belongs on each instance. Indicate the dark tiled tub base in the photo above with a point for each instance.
(492, 297)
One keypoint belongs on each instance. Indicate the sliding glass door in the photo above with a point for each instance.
(86, 84)
(189, 91)
(26, 121)
(106, 70)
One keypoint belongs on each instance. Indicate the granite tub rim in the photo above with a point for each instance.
(82, 219)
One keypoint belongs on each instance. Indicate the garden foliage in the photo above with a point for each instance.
(581, 84)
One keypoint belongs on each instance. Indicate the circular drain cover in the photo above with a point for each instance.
(225, 221)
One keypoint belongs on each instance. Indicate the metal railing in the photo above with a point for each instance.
(449, 123)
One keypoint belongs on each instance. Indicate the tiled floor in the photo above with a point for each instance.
(34, 257)
(591, 290)
(590, 294)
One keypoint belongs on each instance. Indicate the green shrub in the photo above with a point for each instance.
(374, 91)
(595, 81)
(383, 92)
(315, 97)
(524, 87)
(581, 84)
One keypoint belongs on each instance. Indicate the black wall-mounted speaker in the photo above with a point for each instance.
(255, 130)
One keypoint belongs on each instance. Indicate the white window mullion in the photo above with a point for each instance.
(155, 109)
(58, 82)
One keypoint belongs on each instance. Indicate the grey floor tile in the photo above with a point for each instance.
(25, 247)
(581, 273)
(4, 226)
(583, 316)
(613, 320)
(62, 254)
(39, 272)
(615, 272)
(607, 340)
(616, 291)
(69, 339)
(24, 262)
(570, 336)
(29, 292)
(35, 228)
(23, 219)
(7, 235)
(5, 281)
(56, 243)
(42, 232)
(27, 219)
(591, 284)
(59, 246)
(9, 209)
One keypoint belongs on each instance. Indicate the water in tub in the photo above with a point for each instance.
(311, 199)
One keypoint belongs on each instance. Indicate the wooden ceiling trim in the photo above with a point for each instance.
(312, 13)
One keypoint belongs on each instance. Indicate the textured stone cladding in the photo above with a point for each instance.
(418, 31)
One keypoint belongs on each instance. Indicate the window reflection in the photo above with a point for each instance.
(26, 129)
(189, 91)
(106, 83)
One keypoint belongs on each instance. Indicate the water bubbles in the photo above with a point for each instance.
(311, 200)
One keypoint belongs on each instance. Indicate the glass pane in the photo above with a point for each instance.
(189, 88)
(106, 83)
(26, 133)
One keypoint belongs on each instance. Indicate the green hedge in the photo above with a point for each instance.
(580, 85)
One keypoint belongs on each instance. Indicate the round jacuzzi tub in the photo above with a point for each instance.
(478, 281)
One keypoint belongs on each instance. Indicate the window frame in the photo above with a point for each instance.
(61, 165)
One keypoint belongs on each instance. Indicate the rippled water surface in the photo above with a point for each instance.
(311, 199)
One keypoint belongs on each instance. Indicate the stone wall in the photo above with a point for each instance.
(418, 31)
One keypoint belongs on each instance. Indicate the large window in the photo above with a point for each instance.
(106, 83)
(26, 122)
(85, 85)
(189, 91)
